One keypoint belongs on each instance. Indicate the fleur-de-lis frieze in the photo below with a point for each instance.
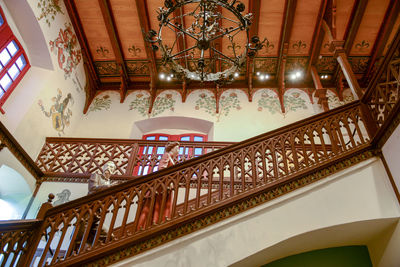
(362, 45)
(102, 51)
(299, 45)
(269, 47)
(234, 47)
(133, 50)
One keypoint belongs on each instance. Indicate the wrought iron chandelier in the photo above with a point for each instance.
(209, 26)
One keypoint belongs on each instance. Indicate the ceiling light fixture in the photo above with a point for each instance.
(210, 23)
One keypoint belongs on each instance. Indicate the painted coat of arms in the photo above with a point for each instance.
(66, 47)
(59, 112)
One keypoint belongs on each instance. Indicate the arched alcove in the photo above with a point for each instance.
(14, 193)
(172, 123)
(29, 30)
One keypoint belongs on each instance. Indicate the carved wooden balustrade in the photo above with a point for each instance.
(79, 157)
(221, 176)
(15, 237)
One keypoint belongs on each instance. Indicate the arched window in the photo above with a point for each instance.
(13, 61)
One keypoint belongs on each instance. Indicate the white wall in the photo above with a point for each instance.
(359, 194)
(391, 152)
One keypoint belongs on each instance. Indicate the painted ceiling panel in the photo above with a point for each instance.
(168, 34)
(396, 27)
(326, 46)
(369, 27)
(343, 13)
(128, 26)
(303, 27)
(95, 29)
(240, 38)
(271, 15)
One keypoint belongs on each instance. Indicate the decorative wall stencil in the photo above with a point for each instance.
(270, 101)
(299, 46)
(162, 103)
(359, 64)
(136, 67)
(226, 104)
(103, 51)
(49, 10)
(294, 102)
(66, 47)
(296, 63)
(100, 103)
(107, 68)
(362, 46)
(59, 112)
(267, 65)
(268, 47)
(334, 101)
(134, 51)
(326, 65)
(63, 197)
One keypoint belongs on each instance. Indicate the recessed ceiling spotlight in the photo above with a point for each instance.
(258, 73)
(171, 75)
(162, 76)
(262, 77)
(298, 74)
(168, 78)
(266, 76)
(293, 76)
(236, 74)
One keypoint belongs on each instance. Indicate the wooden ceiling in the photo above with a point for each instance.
(300, 34)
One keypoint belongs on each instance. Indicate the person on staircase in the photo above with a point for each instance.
(168, 159)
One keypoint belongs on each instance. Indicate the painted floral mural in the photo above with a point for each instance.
(162, 103)
(49, 10)
(66, 47)
(100, 103)
(334, 101)
(270, 102)
(226, 104)
(59, 111)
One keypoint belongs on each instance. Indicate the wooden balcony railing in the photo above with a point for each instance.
(81, 230)
(80, 157)
(221, 176)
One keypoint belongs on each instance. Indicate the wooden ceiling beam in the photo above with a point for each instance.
(92, 79)
(112, 31)
(287, 25)
(392, 12)
(318, 38)
(143, 14)
(355, 21)
(254, 8)
(352, 28)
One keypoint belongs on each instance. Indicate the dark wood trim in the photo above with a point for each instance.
(254, 8)
(389, 173)
(356, 16)
(92, 79)
(143, 14)
(287, 25)
(112, 31)
(19, 153)
(392, 12)
(318, 37)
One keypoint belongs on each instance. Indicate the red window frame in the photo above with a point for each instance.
(183, 151)
(6, 37)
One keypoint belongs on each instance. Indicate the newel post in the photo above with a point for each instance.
(35, 239)
(370, 123)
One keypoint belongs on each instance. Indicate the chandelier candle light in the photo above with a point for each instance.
(209, 26)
